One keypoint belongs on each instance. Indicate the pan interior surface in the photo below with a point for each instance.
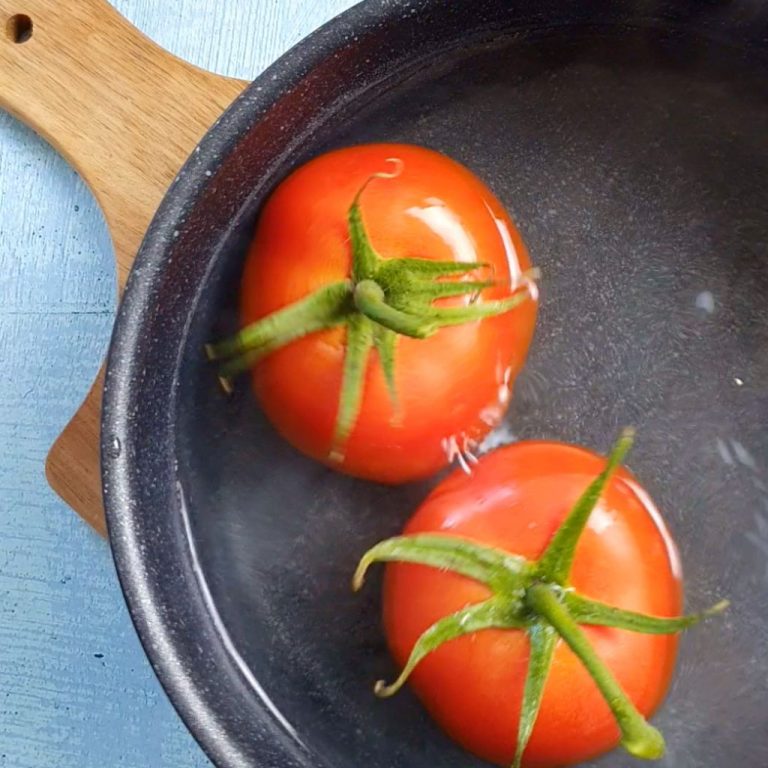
(634, 160)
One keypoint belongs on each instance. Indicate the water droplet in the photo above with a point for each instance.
(743, 456)
(725, 453)
(706, 302)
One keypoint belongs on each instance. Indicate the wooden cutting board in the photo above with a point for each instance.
(126, 114)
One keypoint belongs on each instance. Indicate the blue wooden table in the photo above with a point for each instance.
(76, 690)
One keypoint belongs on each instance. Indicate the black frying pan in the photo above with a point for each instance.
(630, 142)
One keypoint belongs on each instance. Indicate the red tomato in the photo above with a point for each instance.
(453, 386)
(515, 500)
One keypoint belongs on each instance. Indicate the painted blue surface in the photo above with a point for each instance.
(76, 690)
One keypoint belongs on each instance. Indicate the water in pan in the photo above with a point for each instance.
(636, 170)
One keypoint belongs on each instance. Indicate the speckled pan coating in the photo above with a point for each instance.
(630, 140)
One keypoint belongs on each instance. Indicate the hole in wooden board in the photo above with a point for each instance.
(19, 28)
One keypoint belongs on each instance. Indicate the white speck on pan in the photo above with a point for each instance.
(743, 456)
(724, 451)
(706, 302)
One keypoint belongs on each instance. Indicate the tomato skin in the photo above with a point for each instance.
(515, 500)
(454, 384)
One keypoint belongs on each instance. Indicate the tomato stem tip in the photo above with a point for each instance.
(226, 385)
(384, 691)
(638, 737)
(556, 562)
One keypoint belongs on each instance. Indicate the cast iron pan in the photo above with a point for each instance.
(629, 139)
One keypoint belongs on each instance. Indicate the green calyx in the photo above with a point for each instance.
(535, 597)
(382, 300)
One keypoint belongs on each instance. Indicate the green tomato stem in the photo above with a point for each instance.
(488, 565)
(391, 271)
(432, 290)
(447, 316)
(359, 344)
(555, 564)
(385, 341)
(586, 611)
(365, 260)
(543, 640)
(491, 614)
(326, 308)
(638, 737)
(370, 300)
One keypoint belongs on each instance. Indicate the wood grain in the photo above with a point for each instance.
(126, 114)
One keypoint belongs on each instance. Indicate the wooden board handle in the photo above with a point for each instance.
(122, 111)
(126, 114)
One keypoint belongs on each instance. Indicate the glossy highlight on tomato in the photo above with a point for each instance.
(534, 606)
(451, 388)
